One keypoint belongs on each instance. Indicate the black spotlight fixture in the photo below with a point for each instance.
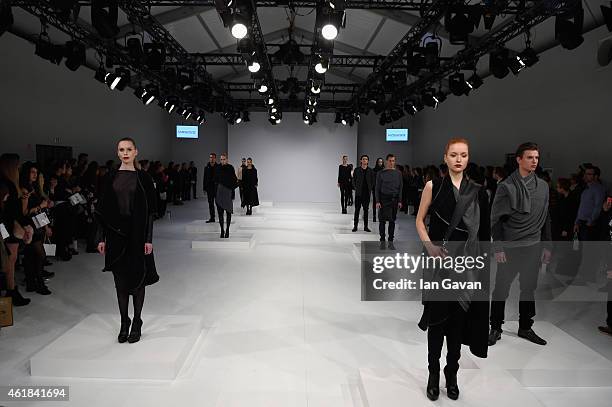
(104, 14)
(498, 63)
(261, 87)
(201, 117)
(338, 119)
(46, 50)
(431, 54)
(6, 17)
(119, 80)
(75, 55)
(459, 23)
(410, 108)
(100, 75)
(488, 18)
(154, 55)
(474, 81)
(382, 120)
(429, 97)
(66, 8)
(457, 84)
(568, 28)
(605, 11)
(516, 64)
(529, 56)
(134, 47)
(185, 79)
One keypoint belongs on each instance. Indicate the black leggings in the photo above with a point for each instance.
(451, 329)
(123, 298)
(33, 263)
(229, 218)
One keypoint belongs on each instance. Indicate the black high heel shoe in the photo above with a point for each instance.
(227, 233)
(433, 386)
(123, 331)
(135, 332)
(452, 389)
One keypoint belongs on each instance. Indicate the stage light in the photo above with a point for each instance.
(607, 15)
(119, 80)
(262, 88)
(329, 31)
(312, 101)
(278, 120)
(315, 88)
(529, 56)
(185, 79)
(338, 118)
(134, 48)
(201, 118)
(150, 96)
(457, 84)
(104, 14)
(429, 97)
(238, 119)
(474, 81)
(155, 55)
(270, 100)
(100, 75)
(459, 23)
(46, 50)
(239, 27)
(498, 63)
(273, 109)
(516, 64)
(323, 65)
(6, 17)
(568, 28)
(75, 55)
(254, 67)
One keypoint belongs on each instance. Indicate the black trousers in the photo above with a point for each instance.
(345, 191)
(451, 328)
(524, 261)
(194, 189)
(33, 262)
(361, 201)
(373, 206)
(389, 209)
(211, 205)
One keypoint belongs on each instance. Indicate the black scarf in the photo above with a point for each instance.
(227, 176)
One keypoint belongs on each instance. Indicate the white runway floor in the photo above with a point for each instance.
(283, 325)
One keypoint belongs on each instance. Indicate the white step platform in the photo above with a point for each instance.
(338, 217)
(372, 225)
(90, 349)
(563, 362)
(266, 204)
(393, 387)
(356, 251)
(346, 236)
(248, 220)
(200, 226)
(236, 241)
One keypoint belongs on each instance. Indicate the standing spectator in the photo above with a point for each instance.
(210, 187)
(193, 178)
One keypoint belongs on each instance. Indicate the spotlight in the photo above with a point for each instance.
(315, 88)
(605, 11)
(6, 17)
(568, 28)
(516, 64)
(245, 116)
(155, 55)
(429, 97)
(343, 121)
(529, 56)
(262, 88)
(201, 118)
(238, 119)
(459, 24)
(270, 100)
(312, 101)
(457, 84)
(75, 55)
(273, 109)
(474, 81)
(254, 67)
(278, 120)
(185, 79)
(239, 27)
(323, 65)
(104, 14)
(46, 50)
(146, 95)
(498, 63)
(134, 48)
(119, 80)
(100, 75)
(409, 108)
(329, 31)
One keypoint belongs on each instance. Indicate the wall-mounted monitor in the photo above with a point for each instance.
(186, 131)
(397, 134)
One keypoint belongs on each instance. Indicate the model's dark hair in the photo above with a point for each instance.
(364, 155)
(249, 159)
(389, 156)
(131, 140)
(345, 156)
(214, 154)
(529, 146)
(564, 183)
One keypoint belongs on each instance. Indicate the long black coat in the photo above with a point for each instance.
(358, 180)
(118, 246)
(249, 186)
(476, 328)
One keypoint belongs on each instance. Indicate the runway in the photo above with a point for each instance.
(283, 325)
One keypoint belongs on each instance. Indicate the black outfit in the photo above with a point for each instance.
(125, 215)
(12, 211)
(34, 253)
(363, 183)
(388, 194)
(344, 179)
(241, 186)
(464, 320)
(568, 260)
(210, 187)
(375, 170)
(226, 181)
(193, 181)
(249, 189)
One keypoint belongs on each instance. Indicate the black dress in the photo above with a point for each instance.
(249, 185)
(125, 215)
(476, 317)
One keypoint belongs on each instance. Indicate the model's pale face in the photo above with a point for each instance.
(364, 161)
(391, 162)
(212, 159)
(344, 160)
(379, 163)
(223, 160)
(127, 152)
(457, 157)
(529, 161)
(33, 174)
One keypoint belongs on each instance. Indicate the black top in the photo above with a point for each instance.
(344, 174)
(124, 185)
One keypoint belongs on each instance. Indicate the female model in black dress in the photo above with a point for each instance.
(461, 317)
(125, 216)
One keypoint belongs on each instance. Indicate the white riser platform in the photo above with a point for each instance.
(236, 241)
(90, 349)
(200, 226)
(356, 237)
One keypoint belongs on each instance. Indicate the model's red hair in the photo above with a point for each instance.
(455, 140)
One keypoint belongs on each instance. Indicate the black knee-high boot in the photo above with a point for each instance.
(138, 299)
(123, 299)
(229, 220)
(220, 213)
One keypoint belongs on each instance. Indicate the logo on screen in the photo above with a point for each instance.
(186, 131)
(397, 134)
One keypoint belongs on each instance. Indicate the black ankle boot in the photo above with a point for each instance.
(222, 234)
(123, 331)
(452, 389)
(17, 299)
(433, 386)
(227, 233)
(135, 332)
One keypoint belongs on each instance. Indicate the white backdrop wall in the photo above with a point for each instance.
(563, 103)
(295, 162)
(372, 140)
(42, 102)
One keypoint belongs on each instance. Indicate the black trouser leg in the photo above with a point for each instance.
(138, 299)
(229, 220)
(220, 213)
(357, 210)
(373, 206)
(381, 229)
(366, 207)
(343, 198)
(211, 205)
(454, 326)
(194, 189)
(609, 306)
(391, 230)
(123, 299)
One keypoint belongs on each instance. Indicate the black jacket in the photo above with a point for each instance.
(209, 178)
(109, 225)
(344, 175)
(358, 177)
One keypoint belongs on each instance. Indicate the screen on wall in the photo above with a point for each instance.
(397, 134)
(186, 131)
